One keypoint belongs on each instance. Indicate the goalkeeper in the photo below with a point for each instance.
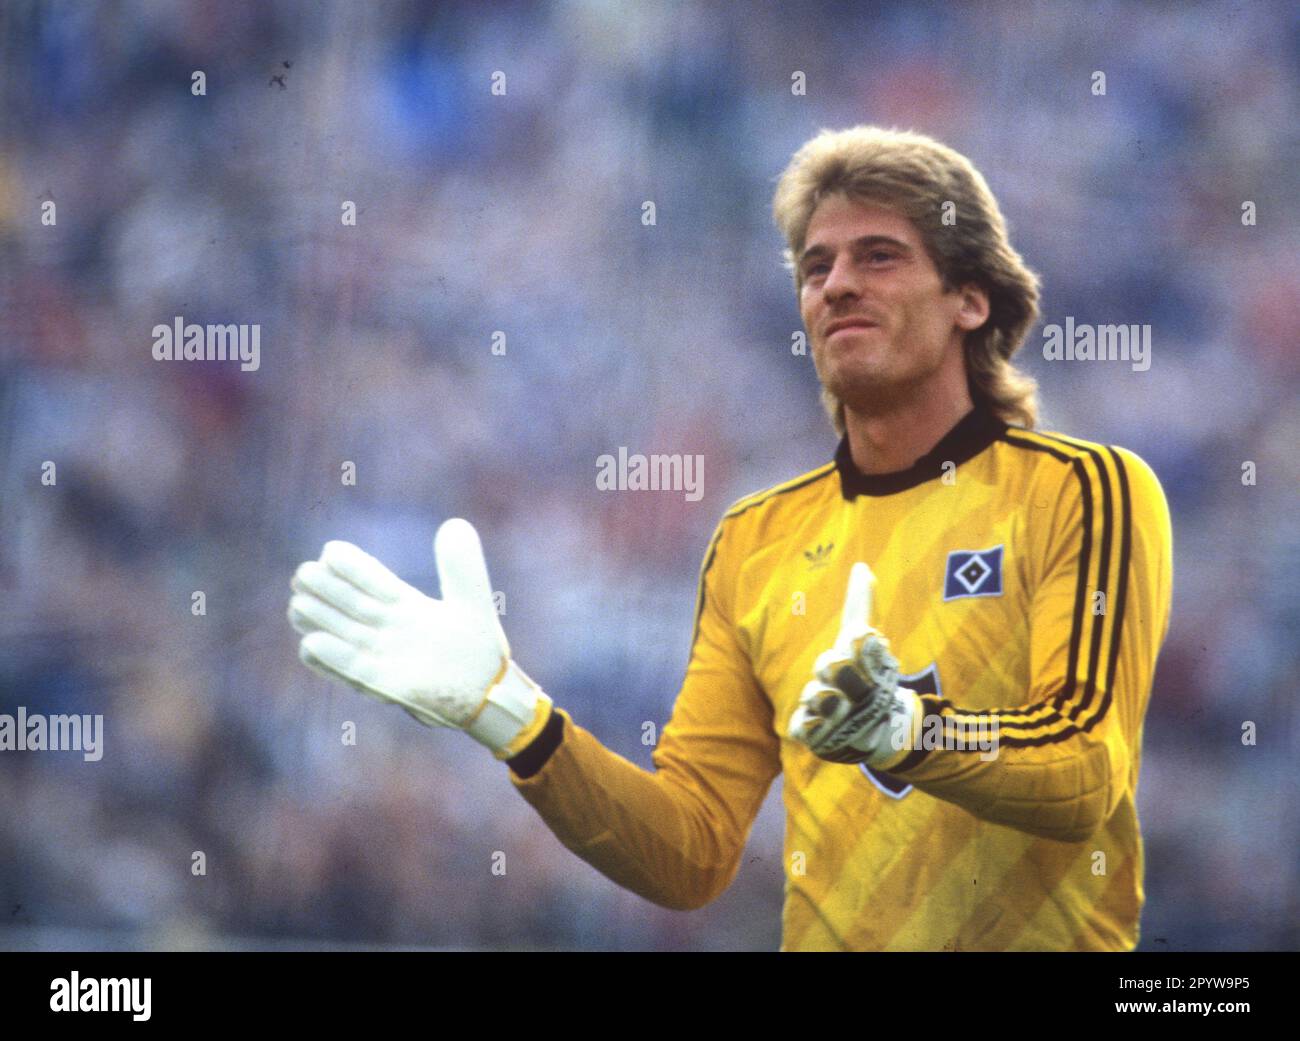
(950, 572)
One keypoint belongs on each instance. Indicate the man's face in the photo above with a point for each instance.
(866, 268)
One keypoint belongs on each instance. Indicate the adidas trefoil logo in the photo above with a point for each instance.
(819, 555)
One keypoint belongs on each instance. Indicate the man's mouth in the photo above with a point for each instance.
(849, 323)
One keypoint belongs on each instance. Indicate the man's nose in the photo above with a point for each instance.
(840, 281)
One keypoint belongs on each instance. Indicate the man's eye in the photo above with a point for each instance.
(816, 268)
(880, 256)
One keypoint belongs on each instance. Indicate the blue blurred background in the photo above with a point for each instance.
(521, 213)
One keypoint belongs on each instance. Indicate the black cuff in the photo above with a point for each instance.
(535, 756)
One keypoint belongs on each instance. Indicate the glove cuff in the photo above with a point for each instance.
(514, 713)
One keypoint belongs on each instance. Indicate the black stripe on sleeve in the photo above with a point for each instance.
(1121, 581)
(699, 596)
(1081, 588)
(1103, 578)
(531, 760)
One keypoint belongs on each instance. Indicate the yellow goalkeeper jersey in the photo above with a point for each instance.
(1023, 581)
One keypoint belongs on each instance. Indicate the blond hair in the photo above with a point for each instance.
(917, 176)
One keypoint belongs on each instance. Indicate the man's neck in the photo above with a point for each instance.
(886, 442)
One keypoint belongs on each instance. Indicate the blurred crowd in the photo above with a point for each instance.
(520, 212)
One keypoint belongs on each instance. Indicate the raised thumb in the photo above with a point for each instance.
(462, 571)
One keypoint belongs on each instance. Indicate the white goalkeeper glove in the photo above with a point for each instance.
(854, 711)
(445, 661)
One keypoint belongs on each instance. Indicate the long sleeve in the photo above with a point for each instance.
(674, 835)
(1068, 749)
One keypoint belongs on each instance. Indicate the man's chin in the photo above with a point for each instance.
(868, 394)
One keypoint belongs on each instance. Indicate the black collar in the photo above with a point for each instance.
(978, 429)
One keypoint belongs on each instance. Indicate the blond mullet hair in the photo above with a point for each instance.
(917, 176)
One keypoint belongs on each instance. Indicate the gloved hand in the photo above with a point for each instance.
(854, 711)
(445, 661)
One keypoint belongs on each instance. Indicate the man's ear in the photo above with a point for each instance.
(974, 308)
